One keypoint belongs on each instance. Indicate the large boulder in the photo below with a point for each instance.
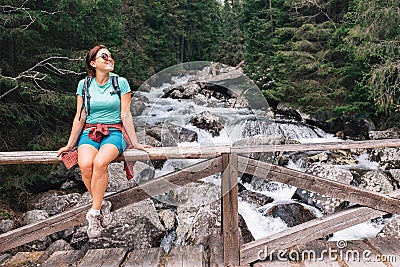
(377, 181)
(326, 204)
(388, 157)
(392, 229)
(255, 198)
(209, 122)
(291, 213)
(391, 133)
(55, 202)
(135, 226)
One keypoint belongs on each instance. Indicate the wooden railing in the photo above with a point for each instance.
(230, 162)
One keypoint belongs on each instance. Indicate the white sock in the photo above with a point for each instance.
(94, 212)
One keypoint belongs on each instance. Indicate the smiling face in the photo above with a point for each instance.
(104, 61)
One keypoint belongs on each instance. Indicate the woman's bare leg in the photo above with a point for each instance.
(99, 182)
(86, 155)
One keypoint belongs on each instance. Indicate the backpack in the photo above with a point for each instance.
(86, 95)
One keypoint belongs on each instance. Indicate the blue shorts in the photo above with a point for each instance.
(114, 137)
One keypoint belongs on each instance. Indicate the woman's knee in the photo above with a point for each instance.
(86, 167)
(99, 164)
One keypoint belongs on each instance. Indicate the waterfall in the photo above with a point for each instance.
(240, 123)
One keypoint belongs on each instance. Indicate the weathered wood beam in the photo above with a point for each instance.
(229, 210)
(121, 199)
(195, 152)
(155, 153)
(308, 231)
(318, 146)
(319, 185)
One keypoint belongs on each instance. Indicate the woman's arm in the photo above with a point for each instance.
(77, 127)
(127, 120)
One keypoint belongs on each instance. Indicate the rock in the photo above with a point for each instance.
(200, 100)
(357, 128)
(255, 198)
(137, 108)
(201, 224)
(326, 204)
(245, 232)
(284, 110)
(395, 173)
(388, 158)
(292, 214)
(169, 134)
(392, 229)
(343, 157)
(167, 218)
(145, 87)
(54, 202)
(377, 181)
(117, 177)
(198, 212)
(391, 133)
(136, 226)
(58, 245)
(33, 216)
(68, 185)
(176, 94)
(260, 184)
(6, 225)
(195, 194)
(209, 122)
(321, 157)
(190, 90)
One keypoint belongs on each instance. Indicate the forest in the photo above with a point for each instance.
(328, 58)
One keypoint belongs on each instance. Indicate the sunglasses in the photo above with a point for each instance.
(105, 56)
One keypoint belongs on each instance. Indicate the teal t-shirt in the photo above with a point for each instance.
(104, 106)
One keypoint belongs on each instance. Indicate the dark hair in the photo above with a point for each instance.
(91, 55)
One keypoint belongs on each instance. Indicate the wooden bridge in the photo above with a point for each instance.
(230, 162)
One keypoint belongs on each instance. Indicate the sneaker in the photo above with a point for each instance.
(105, 211)
(94, 229)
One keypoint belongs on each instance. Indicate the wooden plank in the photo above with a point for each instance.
(108, 257)
(385, 251)
(63, 258)
(188, 256)
(155, 153)
(318, 146)
(216, 250)
(193, 256)
(321, 185)
(195, 152)
(161, 153)
(150, 257)
(272, 264)
(229, 210)
(384, 245)
(24, 259)
(70, 218)
(4, 257)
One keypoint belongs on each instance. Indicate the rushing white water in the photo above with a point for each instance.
(242, 123)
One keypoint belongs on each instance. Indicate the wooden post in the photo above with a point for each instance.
(229, 211)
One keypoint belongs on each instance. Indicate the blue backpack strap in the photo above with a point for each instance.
(114, 80)
(86, 95)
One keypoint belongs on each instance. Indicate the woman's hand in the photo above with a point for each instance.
(63, 150)
(141, 147)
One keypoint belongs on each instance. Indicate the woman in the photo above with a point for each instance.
(98, 132)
